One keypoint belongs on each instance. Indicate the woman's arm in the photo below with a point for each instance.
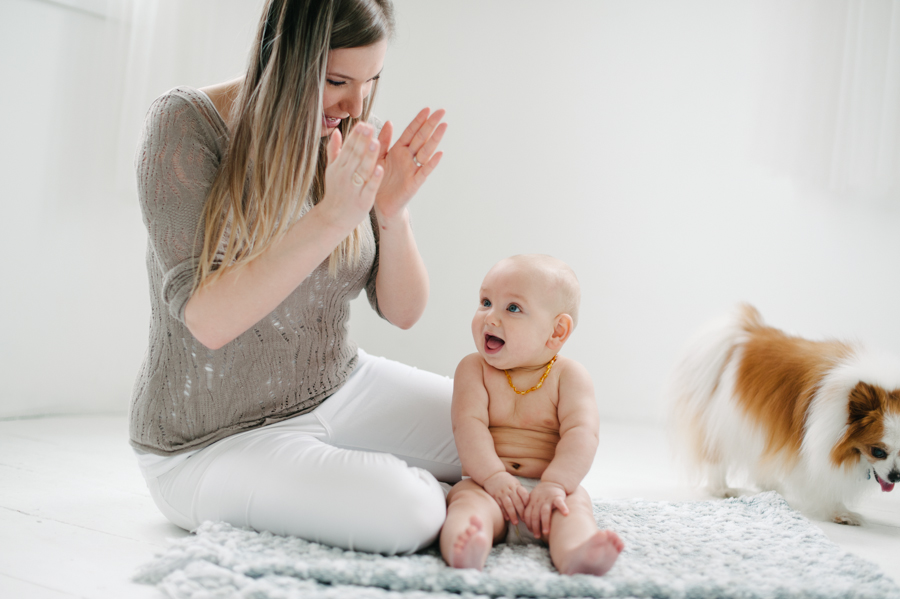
(220, 311)
(401, 284)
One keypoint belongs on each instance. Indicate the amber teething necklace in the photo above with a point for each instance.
(540, 382)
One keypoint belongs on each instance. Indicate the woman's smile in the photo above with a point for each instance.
(330, 122)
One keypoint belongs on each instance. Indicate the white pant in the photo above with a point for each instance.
(357, 472)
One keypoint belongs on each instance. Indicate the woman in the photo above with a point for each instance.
(252, 406)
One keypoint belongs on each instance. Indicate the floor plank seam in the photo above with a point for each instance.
(37, 584)
(41, 517)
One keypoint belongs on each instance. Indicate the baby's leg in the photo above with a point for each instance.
(576, 546)
(474, 522)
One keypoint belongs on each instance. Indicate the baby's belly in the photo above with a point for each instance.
(524, 452)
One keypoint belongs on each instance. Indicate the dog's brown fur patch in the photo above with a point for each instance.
(778, 377)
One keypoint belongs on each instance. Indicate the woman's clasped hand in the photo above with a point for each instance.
(365, 171)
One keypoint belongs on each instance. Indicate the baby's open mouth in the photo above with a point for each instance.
(492, 344)
(885, 486)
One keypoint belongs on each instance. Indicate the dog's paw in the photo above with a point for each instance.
(724, 492)
(847, 517)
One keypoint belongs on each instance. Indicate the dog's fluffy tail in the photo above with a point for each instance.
(699, 373)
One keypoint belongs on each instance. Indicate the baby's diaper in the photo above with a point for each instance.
(520, 534)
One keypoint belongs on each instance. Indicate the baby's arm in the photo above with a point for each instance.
(579, 423)
(469, 414)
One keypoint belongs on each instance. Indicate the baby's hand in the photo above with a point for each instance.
(509, 494)
(543, 499)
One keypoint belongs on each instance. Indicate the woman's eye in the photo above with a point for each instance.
(514, 308)
(879, 453)
(335, 83)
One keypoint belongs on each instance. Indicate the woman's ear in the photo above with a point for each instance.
(561, 331)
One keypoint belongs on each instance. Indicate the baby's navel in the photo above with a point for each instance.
(516, 466)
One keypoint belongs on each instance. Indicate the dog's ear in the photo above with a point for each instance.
(864, 399)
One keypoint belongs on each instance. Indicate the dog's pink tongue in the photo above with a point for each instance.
(886, 486)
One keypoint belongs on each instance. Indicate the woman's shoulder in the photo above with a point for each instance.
(187, 109)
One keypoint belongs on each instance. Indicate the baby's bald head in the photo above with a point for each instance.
(556, 280)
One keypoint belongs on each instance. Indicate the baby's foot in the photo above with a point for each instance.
(471, 547)
(596, 555)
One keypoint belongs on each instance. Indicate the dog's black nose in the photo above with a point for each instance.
(894, 476)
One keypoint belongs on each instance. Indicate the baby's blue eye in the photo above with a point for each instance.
(514, 308)
(486, 303)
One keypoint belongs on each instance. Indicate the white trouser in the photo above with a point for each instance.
(357, 472)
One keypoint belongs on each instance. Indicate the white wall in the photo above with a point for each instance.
(618, 136)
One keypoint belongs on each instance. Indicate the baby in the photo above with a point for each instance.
(526, 426)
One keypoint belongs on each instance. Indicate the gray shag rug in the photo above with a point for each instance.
(744, 548)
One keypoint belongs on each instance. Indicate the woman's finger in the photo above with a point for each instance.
(333, 149)
(413, 127)
(355, 147)
(384, 138)
(427, 168)
(374, 181)
(428, 150)
(425, 131)
(368, 158)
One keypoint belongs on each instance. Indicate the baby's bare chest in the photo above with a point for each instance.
(534, 411)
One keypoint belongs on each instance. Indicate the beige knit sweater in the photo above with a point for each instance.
(187, 396)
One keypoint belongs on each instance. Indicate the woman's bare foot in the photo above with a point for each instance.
(471, 547)
(596, 555)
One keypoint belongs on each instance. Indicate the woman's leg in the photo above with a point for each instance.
(294, 484)
(329, 475)
(394, 408)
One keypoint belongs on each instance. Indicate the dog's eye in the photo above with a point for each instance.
(878, 453)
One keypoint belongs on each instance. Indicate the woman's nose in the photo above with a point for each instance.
(353, 103)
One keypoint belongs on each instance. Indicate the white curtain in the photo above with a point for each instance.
(164, 43)
(113, 57)
(830, 110)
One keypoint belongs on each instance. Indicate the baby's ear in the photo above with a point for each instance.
(561, 330)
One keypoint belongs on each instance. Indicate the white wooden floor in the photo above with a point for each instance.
(76, 518)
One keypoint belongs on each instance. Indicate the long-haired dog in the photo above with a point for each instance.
(817, 421)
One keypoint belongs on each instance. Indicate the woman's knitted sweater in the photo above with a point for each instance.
(187, 396)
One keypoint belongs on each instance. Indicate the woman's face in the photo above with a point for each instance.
(348, 80)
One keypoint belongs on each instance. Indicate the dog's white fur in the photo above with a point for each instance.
(722, 442)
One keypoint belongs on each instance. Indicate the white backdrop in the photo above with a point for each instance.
(638, 140)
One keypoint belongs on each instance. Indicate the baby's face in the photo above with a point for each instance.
(515, 318)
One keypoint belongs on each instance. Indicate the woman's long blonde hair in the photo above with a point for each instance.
(275, 162)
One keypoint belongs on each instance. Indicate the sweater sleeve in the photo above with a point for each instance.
(177, 160)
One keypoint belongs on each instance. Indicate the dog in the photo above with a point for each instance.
(817, 421)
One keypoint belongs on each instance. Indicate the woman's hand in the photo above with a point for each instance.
(509, 494)
(402, 176)
(352, 177)
(544, 498)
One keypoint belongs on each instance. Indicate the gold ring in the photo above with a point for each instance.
(357, 179)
